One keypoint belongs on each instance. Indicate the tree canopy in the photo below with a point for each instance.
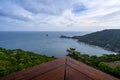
(17, 59)
(98, 62)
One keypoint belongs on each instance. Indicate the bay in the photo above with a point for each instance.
(47, 43)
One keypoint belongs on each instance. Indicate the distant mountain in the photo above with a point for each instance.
(108, 39)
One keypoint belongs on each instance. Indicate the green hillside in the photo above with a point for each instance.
(107, 39)
(98, 62)
(16, 60)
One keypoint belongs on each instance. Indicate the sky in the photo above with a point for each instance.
(59, 15)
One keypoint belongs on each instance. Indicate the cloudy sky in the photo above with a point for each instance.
(59, 15)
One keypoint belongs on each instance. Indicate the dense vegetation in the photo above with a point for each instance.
(16, 60)
(108, 39)
(98, 62)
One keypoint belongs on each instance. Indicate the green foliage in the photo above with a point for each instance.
(16, 60)
(104, 67)
(97, 62)
(117, 71)
(108, 39)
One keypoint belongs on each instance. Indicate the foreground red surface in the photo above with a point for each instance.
(61, 69)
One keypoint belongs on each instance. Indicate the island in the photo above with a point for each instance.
(108, 39)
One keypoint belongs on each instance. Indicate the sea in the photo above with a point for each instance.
(47, 43)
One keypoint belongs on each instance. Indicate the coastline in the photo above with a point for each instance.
(78, 40)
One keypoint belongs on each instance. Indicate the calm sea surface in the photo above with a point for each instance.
(50, 45)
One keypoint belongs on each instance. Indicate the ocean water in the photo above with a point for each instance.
(51, 45)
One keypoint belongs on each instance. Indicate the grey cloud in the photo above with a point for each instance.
(6, 13)
(114, 16)
(52, 7)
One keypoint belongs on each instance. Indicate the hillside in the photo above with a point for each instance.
(17, 60)
(107, 39)
(103, 63)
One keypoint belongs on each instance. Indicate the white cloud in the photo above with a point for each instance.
(69, 14)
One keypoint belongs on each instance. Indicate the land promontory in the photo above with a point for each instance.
(108, 39)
